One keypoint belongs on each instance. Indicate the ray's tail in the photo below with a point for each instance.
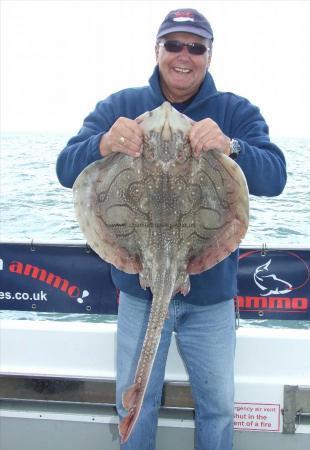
(134, 395)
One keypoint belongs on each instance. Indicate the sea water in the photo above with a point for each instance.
(33, 205)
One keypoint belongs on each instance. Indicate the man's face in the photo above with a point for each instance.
(181, 74)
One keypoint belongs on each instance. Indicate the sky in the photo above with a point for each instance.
(60, 57)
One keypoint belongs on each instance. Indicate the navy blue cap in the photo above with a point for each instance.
(186, 20)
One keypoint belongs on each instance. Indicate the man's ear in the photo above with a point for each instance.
(156, 52)
(209, 58)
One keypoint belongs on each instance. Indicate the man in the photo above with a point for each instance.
(204, 319)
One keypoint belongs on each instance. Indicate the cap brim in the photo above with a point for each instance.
(185, 29)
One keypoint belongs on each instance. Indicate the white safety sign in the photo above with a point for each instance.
(257, 417)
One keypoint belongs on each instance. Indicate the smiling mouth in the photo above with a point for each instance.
(181, 70)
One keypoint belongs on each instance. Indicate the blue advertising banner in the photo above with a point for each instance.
(272, 283)
(55, 278)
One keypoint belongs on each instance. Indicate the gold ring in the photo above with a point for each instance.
(122, 140)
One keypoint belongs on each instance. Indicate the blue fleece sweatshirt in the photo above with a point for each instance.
(262, 162)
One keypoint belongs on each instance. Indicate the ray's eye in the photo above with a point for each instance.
(181, 155)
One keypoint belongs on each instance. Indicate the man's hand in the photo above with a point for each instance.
(125, 136)
(206, 135)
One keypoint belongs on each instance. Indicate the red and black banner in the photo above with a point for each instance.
(272, 283)
(55, 278)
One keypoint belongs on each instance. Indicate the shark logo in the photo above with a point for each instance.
(269, 283)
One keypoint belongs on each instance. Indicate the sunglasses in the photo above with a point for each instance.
(194, 48)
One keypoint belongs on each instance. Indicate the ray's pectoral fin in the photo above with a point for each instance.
(221, 245)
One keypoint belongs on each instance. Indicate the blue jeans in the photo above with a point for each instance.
(205, 337)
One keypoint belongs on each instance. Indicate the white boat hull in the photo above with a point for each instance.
(268, 363)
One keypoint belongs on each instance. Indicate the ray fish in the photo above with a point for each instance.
(163, 215)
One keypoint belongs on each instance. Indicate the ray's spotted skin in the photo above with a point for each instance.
(164, 215)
